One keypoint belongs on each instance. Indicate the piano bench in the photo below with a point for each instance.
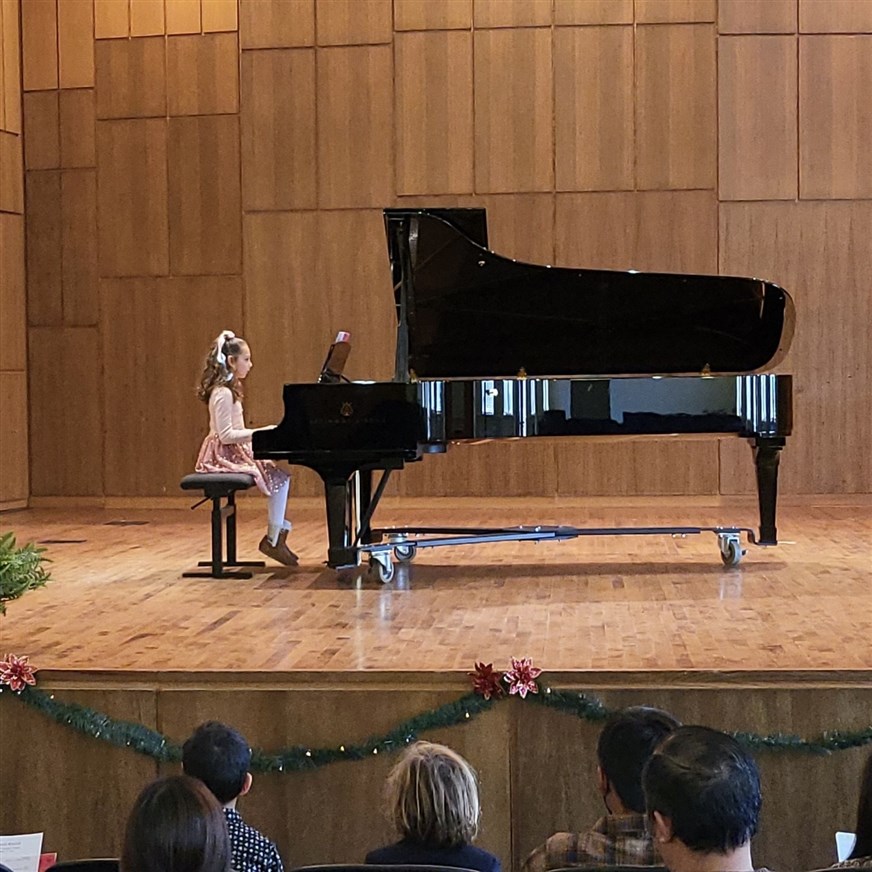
(218, 486)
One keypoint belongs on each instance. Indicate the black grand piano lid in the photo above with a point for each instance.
(467, 312)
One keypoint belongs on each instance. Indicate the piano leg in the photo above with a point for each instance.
(767, 452)
(365, 502)
(339, 534)
(342, 538)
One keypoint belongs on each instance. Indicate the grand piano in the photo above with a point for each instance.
(493, 348)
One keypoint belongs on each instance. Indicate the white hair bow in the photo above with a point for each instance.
(223, 336)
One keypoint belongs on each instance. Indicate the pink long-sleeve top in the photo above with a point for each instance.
(226, 419)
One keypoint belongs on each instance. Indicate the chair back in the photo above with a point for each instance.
(376, 867)
(97, 865)
(866, 868)
(603, 867)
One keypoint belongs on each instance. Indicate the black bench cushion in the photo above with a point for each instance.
(217, 484)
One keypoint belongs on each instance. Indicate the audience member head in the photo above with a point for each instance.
(433, 797)
(176, 825)
(703, 795)
(220, 757)
(626, 742)
(863, 845)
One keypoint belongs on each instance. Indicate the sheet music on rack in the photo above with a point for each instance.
(21, 853)
(334, 362)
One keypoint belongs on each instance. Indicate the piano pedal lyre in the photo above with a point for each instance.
(356, 510)
(380, 562)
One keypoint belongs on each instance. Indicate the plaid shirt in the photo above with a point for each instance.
(615, 840)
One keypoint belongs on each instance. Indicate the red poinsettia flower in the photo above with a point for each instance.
(486, 681)
(521, 678)
(16, 672)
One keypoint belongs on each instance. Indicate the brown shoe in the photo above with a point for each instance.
(283, 544)
(278, 553)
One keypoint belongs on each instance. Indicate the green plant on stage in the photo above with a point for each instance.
(21, 569)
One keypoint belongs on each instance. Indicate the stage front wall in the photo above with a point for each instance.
(536, 765)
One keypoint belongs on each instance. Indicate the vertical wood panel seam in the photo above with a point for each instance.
(472, 40)
(27, 403)
(553, 108)
(395, 193)
(57, 41)
(553, 244)
(243, 286)
(4, 90)
(510, 782)
(718, 125)
(61, 252)
(798, 125)
(316, 59)
(168, 147)
(394, 113)
(635, 101)
(2, 61)
(718, 458)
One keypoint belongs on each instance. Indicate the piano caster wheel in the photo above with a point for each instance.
(405, 553)
(381, 562)
(732, 551)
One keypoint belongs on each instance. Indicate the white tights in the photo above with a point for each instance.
(276, 506)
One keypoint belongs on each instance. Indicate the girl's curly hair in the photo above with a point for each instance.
(217, 371)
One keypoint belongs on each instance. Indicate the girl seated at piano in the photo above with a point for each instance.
(227, 448)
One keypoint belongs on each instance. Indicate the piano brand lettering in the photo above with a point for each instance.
(378, 420)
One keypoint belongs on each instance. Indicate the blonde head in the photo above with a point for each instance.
(433, 797)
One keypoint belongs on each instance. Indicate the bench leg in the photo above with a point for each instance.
(217, 567)
(230, 525)
(217, 563)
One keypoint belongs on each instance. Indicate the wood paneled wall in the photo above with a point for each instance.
(14, 449)
(199, 164)
(536, 765)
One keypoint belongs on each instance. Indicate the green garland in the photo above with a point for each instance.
(294, 759)
(591, 709)
(298, 758)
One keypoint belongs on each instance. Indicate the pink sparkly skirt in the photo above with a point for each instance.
(237, 457)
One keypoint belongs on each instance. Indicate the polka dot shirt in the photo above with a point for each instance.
(251, 851)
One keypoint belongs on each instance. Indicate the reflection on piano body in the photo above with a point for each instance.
(491, 348)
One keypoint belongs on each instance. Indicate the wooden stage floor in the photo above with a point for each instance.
(116, 600)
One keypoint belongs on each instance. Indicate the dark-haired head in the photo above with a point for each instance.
(625, 744)
(220, 757)
(707, 786)
(863, 845)
(176, 825)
